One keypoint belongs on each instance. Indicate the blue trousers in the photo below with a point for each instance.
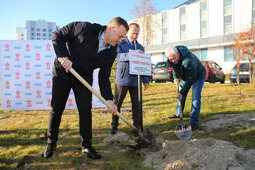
(196, 100)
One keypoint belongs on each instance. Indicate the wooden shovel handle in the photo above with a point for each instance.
(99, 96)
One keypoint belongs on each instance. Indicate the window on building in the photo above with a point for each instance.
(44, 30)
(50, 35)
(38, 38)
(44, 35)
(183, 23)
(22, 35)
(32, 29)
(228, 17)
(228, 54)
(50, 30)
(164, 27)
(201, 54)
(203, 19)
(32, 34)
(38, 34)
(38, 29)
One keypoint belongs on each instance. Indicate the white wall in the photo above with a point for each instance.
(173, 25)
(193, 21)
(215, 17)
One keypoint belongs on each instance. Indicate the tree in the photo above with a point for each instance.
(143, 14)
(244, 49)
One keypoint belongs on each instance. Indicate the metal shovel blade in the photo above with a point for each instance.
(146, 139)
(183, 132)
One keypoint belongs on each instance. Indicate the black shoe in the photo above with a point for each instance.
(50, 149)
(194, 126)
(113, 130)
(173, 117)
(91, 152)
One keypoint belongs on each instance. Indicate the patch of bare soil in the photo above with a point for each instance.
(230, 120)
(201, 154)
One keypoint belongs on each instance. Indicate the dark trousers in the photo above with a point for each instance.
(119, 96)
(83, 97)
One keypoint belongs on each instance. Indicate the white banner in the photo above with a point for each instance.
(139, 63)
(26, 76)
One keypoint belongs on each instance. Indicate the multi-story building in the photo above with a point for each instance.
(206, 27)
(36, 30)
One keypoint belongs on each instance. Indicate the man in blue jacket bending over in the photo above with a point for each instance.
(126, 82)
(187, 68)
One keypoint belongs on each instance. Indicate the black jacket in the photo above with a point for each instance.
(79, 42)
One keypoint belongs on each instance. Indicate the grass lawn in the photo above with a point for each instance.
(22, 139)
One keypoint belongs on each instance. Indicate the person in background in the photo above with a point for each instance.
(83, 46)
(126, 82)
(190, 72)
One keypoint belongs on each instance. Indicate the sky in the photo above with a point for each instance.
(15, 13)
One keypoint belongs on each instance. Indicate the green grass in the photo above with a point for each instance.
(22, 138)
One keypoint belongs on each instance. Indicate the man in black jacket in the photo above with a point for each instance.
(83, 46)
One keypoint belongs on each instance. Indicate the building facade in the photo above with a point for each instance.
(206, 27)
(36, 30)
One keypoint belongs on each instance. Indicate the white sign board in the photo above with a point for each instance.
(139, 63)
(26, 76)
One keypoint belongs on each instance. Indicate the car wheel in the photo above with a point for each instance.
(212, 79)
(223, 80)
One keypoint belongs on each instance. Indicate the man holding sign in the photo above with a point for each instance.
(124, 80)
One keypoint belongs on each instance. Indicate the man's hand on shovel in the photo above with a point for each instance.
(112, 109)
(66, 63)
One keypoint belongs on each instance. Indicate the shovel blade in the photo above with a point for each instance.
(183, 132)
(146, 139)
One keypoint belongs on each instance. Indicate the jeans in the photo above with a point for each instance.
(196, 101)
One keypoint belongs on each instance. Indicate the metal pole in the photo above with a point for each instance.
(140, 100)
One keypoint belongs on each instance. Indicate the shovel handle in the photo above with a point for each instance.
(179, 101)
(99, 96)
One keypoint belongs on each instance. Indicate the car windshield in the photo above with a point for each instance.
(160, 65)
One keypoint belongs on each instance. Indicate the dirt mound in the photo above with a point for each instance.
(202, 154)
(118, 138)
(229, 120)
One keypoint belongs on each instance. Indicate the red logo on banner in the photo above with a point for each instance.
(8, 103)
(48, 47)
(49, 102)
(48, 84)
(7, 66)
(7, 85)
(17, 57)
(27, 66)
(37, 56)
(28, 85)
(70, 102)
(38, 75)
(29, 103)
(48, 66)
(17, 76)
(17, 94)
(38, 94)
(6, 47)
(27, 47)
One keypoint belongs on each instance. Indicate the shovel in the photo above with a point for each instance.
(182, 132)
(146, 139)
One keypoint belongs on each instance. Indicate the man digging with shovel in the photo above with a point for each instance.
(190, 72)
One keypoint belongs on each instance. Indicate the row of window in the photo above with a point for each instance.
(228, 28)
(43, 30)
(229, 55)
(39, 34)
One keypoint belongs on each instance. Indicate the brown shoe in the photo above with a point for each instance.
(173, 117)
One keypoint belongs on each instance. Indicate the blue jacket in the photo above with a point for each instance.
(122, 74)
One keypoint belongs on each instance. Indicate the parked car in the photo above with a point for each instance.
(214, 72)
(162, 72)
(244, 75)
